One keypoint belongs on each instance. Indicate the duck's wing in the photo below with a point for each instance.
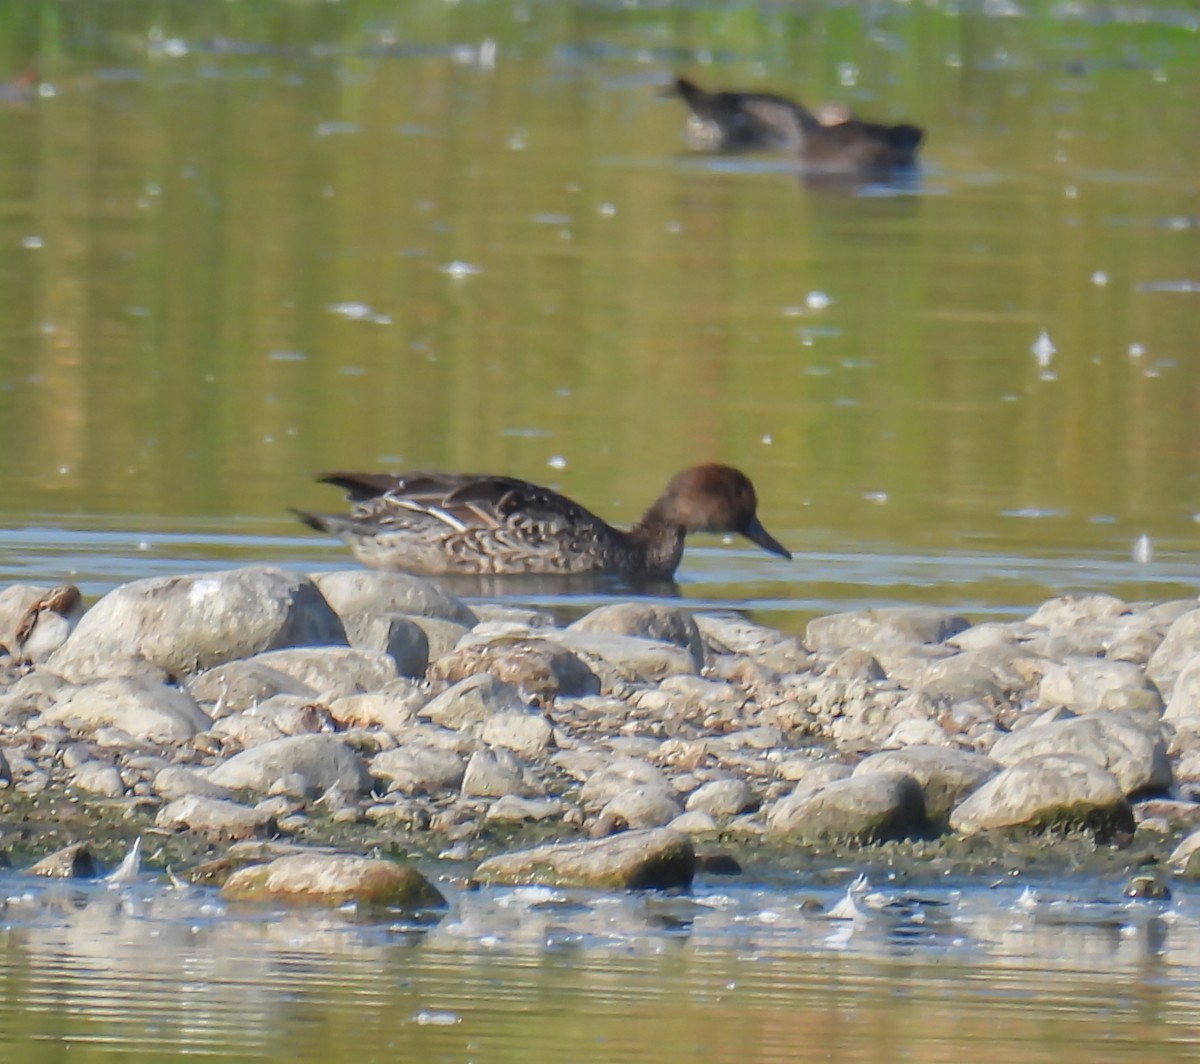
(462, 502)
(743, 118)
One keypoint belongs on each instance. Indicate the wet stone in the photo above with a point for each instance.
(658, 859)
(215, 817)
(726, 797)
(638, 806)
(870, 808)
(946, 774)
(71, 862)
(334, 880)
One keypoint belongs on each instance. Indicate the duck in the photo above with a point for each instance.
(435, 524)
(830, 140)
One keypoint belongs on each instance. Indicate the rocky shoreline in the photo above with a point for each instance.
(347, 725)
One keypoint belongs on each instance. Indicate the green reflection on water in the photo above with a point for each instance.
(207, 181)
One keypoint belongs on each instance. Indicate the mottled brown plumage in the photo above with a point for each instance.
(437, 523)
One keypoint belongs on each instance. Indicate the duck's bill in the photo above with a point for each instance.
(756, 534)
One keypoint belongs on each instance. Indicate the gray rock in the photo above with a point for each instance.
(871, 808)
(638, 806)
(6, 776)
(401, 638)
(29, 695)
(946, 774)
(71, 862)
(1085, 685)
(730, 633)
(513, 809)
(601, 787)
(293, 715)
(321, 759)
(1183, 858)
(526, 732)
(494, 774)
(1050, 791)
(646, 620)
(176, 781)
(696, 822)
(472, 701)
(618, 659)
(857, 665)
(1180, 645)
(238, 685)
(812, 771)
(333, 880)
(378, 592)
(727, 797)
(915, 624)
(246, 730)
(1068, 610)
(185, 624)
(420, 769)
(214, 817)
(1132, 752)
(441, 636)
(144, 709)
(95, 777)
(333, 671)
(658, 859)
(539, 668)
(1185, 694)
(392, 707)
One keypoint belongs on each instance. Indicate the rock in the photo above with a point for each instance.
(95, 777)
(1185, 694)
(143, 708)
(806, 770)
(637, 860)
(946, 774)
(645, 620)
(601, 787)
(1069, 610)
(417, 769)
(217, 818)
(71, 862)
(639, 806)
(392, 707)
(1184, 857)
(494, 774)
(176, 781)
(441, 636)
(870, 808)
(1180, 646)
(400, 638)
(6, 776)
(513, 809)
(333, 880)
(856, 665)
(379, 592)
(526, 732)
(727, 797)
(915, 624)
(293, 715)
(321, 759)
(238, 685)
(1136, 755)
(537, 667)
(1046, 792)
(617, 659)
(332, 671)
(696, 822)
(1085, 685)
(185, 624)
(473, 701)
(730, 633)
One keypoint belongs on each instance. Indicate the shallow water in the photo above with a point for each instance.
(241, 244)
(727, 973)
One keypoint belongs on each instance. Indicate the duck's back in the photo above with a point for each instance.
(465, 523)
(860, 146)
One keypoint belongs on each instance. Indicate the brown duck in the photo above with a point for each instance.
(439, 523)
(830, 140)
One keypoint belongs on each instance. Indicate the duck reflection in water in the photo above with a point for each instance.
(466, 525)
(830, 140)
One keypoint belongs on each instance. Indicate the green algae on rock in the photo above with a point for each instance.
(334, 880)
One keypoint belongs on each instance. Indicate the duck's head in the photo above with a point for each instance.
(716, 498)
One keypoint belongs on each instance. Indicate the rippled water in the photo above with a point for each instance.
(748, 972)
(243, 243)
